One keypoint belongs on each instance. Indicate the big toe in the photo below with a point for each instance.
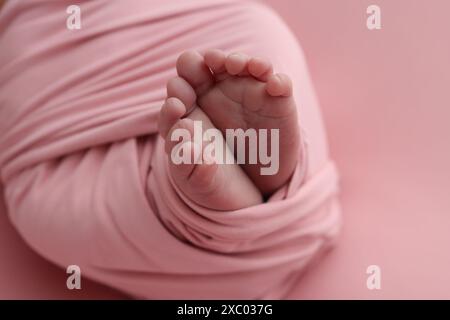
(191, 67)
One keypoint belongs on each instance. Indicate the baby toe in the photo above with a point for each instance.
(171, 111)
(215, 60)
(279, 85)
(191, 67)
(260, 68)
(236, 64)
(179, 88)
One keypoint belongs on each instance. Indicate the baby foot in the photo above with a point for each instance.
(208, 183)
(237, 91)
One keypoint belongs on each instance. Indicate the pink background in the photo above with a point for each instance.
(386, 105)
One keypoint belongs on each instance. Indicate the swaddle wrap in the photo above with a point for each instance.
(84, 171)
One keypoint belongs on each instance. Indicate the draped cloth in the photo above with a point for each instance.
(84, 172)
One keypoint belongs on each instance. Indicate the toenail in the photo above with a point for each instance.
(189, 111)
(278, 80)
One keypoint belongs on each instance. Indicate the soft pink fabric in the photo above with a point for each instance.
(385, 98)
(82, 165)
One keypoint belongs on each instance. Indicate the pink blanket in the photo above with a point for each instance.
(84, 172)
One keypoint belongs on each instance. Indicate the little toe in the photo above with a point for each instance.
(260, 68)
(171, 111)
(279, 85)
(236, 64)
(191, 67)
(179, 88)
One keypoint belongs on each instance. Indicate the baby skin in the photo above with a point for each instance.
(228, 92)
